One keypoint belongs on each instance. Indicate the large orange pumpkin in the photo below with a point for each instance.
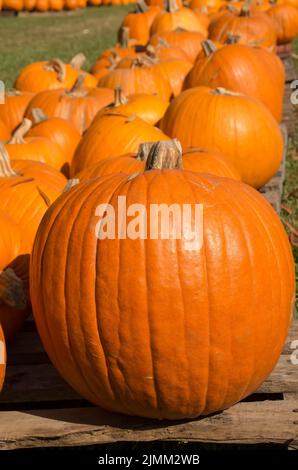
(44, 75)
(79, 105)
(13, 109)
(243, 69)
(38, 148)
(253, 28)
(177, 17)
(199, 161)
(171, 328)
(285, 18)
(188, 41)
(2, 358)
(111, 135)
(235, 125)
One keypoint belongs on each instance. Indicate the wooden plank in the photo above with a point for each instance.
(29, 383)
(270, 422)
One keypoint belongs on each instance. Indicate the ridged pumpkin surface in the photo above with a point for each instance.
(164, 332)
(13, 110)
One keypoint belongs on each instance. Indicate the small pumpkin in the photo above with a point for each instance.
(188, 41)
(253, 71)
(253, 28)
(199, 161)
(150, 108)
(111, 135)
(177, 17)
(36, 148)
(13, 109)
(192, 320)
(285, 18)
(63, 133)
(140, 21)
(46, 75)
(139, 77)
(78, 105)
(228, 122)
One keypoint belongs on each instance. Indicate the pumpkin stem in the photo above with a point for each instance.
(232, 38)
(77, 87)
(144, 61)
(6, 170)
(38, 115)
(56, 65)
(144, 150)
(171, 6)
(20, 132)
(71, 184)
(142, 6)
(119, 97)
(124, 37)
(245, 10)
(208, 47)
(12, 291)
(223, 92)
(78, 61)
(164, 154)
(13, 92)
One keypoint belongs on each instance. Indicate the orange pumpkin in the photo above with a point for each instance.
(199, 161)
(4, 132)
(42, 5)
(177, 17)
(50, 75)
(140, 21)
(163, 51)
(188, 41)
(285, 18)
(13, 109)
(14, 5)
(139, 77)
(56, 5)
(212, 5)
(228, 123)
(111, 135)
(174, 71)
(150, 108)
(35, 148)
(253, 28)
(2, 358)
(63, 133)
(79, 105)
(154, 335)
(243, 69)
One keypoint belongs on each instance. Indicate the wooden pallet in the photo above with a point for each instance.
(38, 409)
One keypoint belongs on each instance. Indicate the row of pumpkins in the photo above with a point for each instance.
(55, 5)
(184, 109)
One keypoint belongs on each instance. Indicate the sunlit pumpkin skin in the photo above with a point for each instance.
(4, 132)
(139, 22)
(112, 135)
(13, 109)
(203, 17)
(175, 72)
(147, 107)
(44, 75)
(79, 106)
(253, 28)
(242, 69)
(212, 5)
(56, 5)
(10, 240)
(285, 18)
(14, 5)
(2, 362)
(228, 123)
(35, 148)
(63, 133)
(188, 41)
(163, 51)
(139, 77)
(177, 17)
(158, 342)
(199, 161)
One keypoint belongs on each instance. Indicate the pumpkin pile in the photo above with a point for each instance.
(183, 111)
(56, 5)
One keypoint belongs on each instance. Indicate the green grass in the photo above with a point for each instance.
(27, 39)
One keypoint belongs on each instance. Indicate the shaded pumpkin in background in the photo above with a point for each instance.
(194, 320)
(38, 148)
(199, 161)
(150, 108)
(228, 122)
(46, 75)
(111, 135)
(188, 41)
(253, 71)
(13, 109)
(253, 28)
(285, 19)
(212, 5)
(79, 105)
